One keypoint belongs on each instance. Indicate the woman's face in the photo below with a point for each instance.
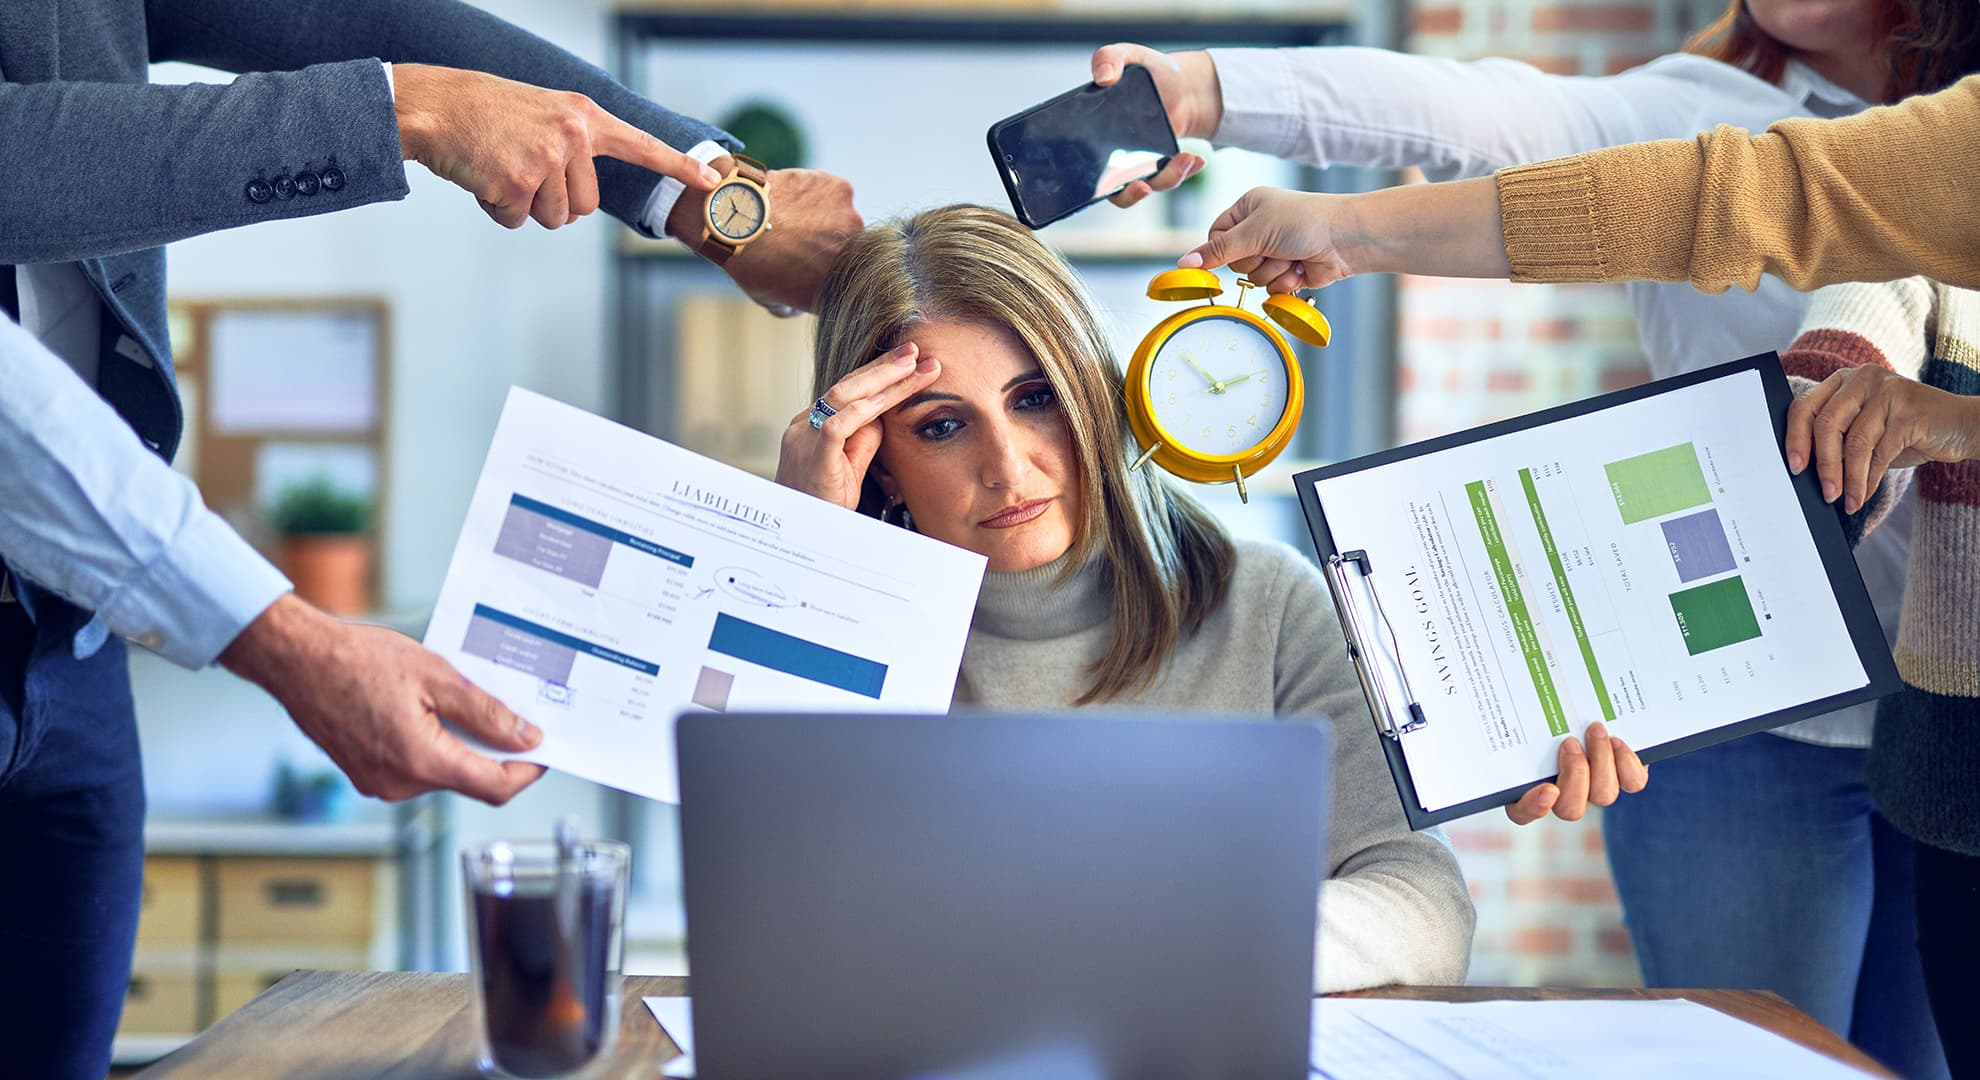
(1823, 28)
(983, 458)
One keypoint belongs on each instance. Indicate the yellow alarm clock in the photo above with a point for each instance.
(1214, 392)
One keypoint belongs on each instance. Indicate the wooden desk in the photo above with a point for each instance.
(339, 1025)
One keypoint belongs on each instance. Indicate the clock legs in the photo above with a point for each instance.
(1243, 495)
(1145, 455)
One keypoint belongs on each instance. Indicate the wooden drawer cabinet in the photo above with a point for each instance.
(217, 927)
(163, 999)
(321, 901)
(168, 908)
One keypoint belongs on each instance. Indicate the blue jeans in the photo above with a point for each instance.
(1949, 940)
(1761, 863)
(71, 846)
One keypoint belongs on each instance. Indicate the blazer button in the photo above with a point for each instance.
(285, 188)
(307, 183)
(333, 179)
(259, 191)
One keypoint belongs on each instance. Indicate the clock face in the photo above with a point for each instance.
(736, 211)
(1218, 387)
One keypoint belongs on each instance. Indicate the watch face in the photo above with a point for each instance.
(736, 211)
(1217, 387)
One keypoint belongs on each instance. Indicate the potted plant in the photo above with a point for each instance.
(309, 795)
(326, 545)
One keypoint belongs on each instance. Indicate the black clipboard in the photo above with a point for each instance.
(1824, 522)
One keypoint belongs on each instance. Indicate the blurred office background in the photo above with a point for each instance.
(262, 863)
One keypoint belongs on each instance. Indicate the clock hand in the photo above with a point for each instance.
(1207, 377)
(1228, 383)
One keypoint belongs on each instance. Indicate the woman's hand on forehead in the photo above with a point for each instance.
(830, 459)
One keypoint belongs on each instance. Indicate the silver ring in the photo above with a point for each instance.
(821, 412)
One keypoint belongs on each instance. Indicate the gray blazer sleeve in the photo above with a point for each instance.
(119, 167)
(249, 35)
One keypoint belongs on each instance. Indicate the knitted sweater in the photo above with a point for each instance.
(1395, 908)
(1925, 760)
(1880, 195)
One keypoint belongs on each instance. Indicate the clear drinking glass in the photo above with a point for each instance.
(546, 943)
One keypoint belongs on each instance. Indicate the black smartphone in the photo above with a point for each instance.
(1082, 146)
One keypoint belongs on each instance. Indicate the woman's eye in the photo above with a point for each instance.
(1037, 397)
(939, 428)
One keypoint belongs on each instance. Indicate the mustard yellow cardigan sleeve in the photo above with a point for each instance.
(1884, 194)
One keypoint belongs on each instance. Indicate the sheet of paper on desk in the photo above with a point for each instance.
(1551, 1040)
(606, 581)
(676, 1016)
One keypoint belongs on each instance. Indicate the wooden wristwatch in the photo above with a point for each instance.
(736, 212)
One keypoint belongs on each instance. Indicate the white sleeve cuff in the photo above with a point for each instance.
(391, 85)
(668, 191)
(197, 595)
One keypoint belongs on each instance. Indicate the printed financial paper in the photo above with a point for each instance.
(606, 581)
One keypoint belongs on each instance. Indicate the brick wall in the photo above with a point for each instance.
(1471, 352)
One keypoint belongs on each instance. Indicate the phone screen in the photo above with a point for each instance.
(1082, 146)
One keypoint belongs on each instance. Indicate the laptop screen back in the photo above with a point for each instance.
(998, 894)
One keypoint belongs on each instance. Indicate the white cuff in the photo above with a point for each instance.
(391, 85)
(197, 595)
(668, 191)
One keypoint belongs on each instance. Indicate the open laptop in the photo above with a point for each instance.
(998, 895)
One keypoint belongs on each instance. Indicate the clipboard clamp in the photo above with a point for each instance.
(1374, 683)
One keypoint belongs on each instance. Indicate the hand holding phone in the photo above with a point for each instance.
(1081, 147)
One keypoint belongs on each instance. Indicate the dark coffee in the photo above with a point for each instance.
(544, 996)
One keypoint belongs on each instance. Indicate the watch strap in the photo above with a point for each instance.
(751, 170)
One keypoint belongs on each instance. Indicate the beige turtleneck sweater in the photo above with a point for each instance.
(1395, 908)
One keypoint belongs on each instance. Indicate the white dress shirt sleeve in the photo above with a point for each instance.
(668, 191)
(88, 512)
(1345, 105)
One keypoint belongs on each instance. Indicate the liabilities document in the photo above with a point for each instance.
(606, 581)
(1648, 565)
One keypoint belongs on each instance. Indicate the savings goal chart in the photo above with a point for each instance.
(606, 581)
(1647, 565)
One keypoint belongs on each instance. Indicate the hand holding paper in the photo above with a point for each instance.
(1639, 565)
(374, 701)
(1596, 776)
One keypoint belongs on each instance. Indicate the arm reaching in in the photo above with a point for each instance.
(1810, 201)
(522, 151)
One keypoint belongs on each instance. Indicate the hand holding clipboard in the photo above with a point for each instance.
(1643, 559)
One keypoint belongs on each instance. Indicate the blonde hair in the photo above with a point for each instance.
(1170, 560)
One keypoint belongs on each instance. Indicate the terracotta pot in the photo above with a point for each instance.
(332, 572)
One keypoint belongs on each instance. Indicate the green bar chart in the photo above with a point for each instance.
(1715, 615)
(1657, 483)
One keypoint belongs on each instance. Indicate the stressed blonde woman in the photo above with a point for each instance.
(973, 397)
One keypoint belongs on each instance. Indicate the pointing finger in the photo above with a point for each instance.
(613, 137)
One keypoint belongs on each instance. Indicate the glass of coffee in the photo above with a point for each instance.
(547, 946)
